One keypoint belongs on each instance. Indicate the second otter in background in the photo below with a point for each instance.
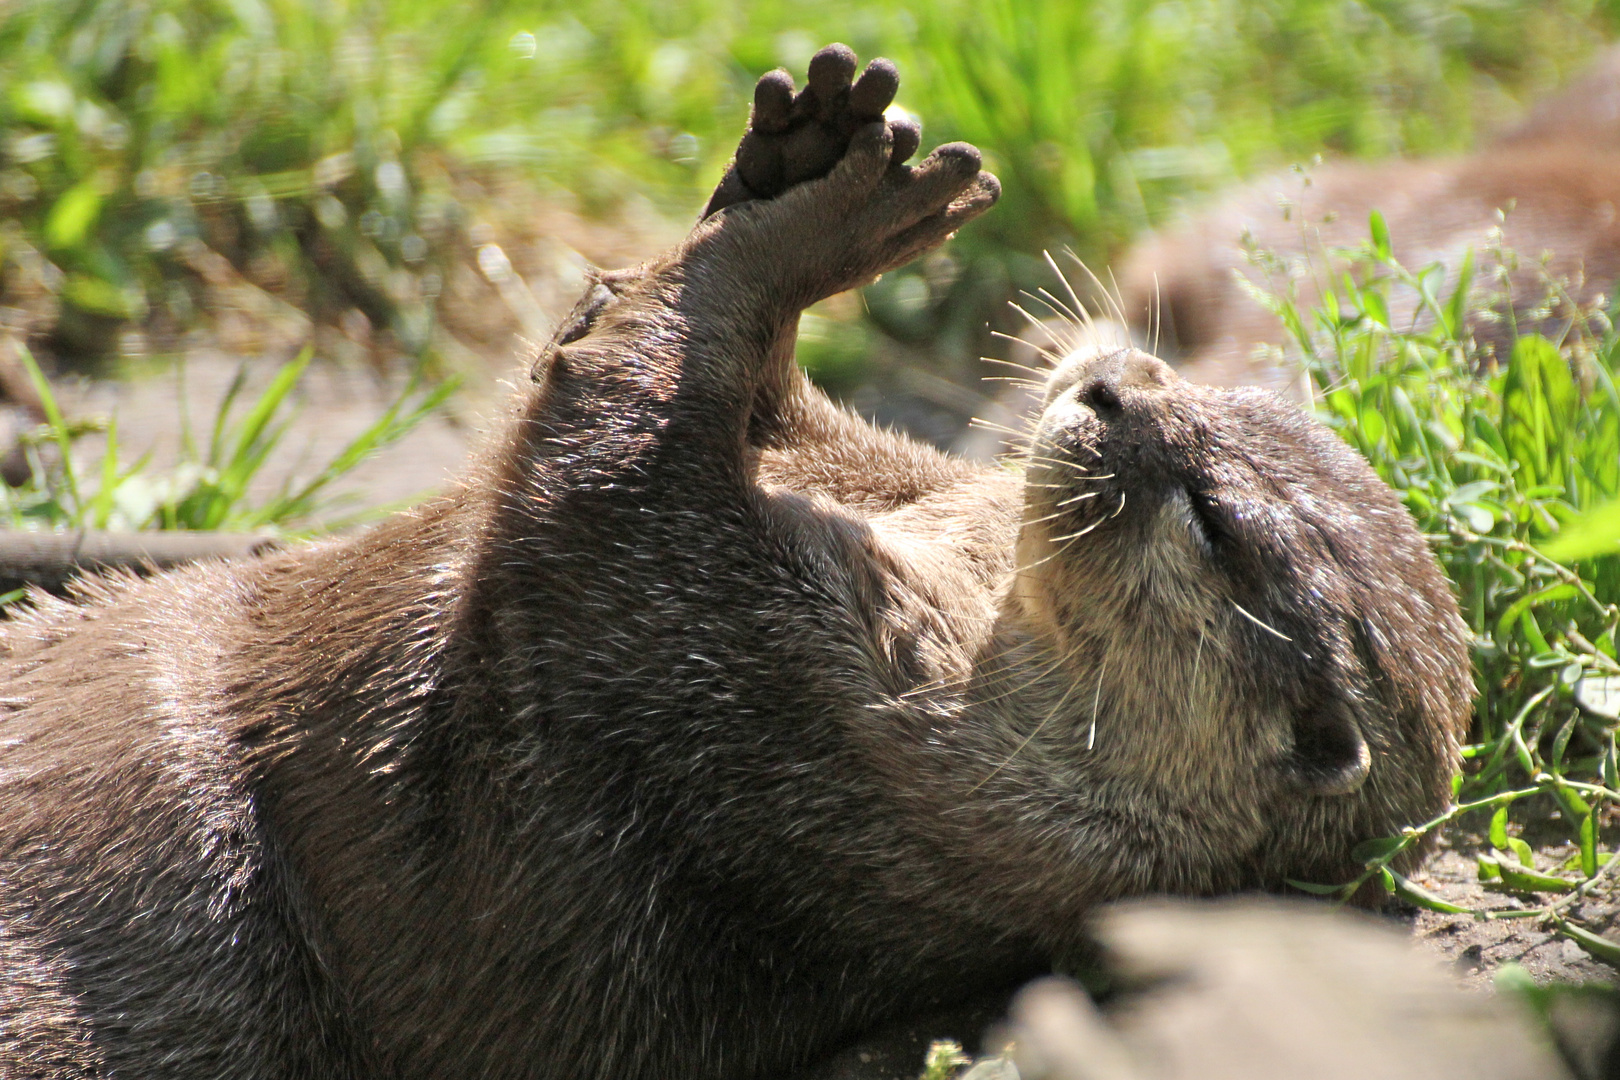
(1556, 174)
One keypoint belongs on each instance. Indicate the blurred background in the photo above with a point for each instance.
(403, 194)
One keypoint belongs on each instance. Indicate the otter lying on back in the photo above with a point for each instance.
(704, 726)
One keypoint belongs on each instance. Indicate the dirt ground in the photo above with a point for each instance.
(1477, 948)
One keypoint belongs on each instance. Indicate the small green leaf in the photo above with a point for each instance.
(1521, 607)
(98, 297)
(1594, 532)
(1380, 848)
(1513, 978)
(945, 1057)
(1575, 808)
(1417, 894)
(1377, 310)
(1532, 629)
(1599, 947)
(1456, 314)
(1518, 875)
(1498, 832)
(1588, 839)
(1380, 235)
(74, 214)
(1314, 888)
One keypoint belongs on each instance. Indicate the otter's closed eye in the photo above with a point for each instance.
(1207, 520)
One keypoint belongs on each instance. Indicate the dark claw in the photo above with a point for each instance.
(831, 69)
(959, 158)
(793, 138)
(732, 190)
(773, 102)
(875, 89)
(760, 163)
(907, 137)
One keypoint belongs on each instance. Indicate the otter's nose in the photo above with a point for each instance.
(1107, 382)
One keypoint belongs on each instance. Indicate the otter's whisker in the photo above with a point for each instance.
(1157, 317)
(1025, 678)
(1063, 310)
(1068, 340)
(991, 425)
(1064, 543)
(1259, 622)
(1096, 700)
(1043, 560)
(1070, 464)
(1019, 749)
(1118, 296)
(1042, 349)
(1058, 308)
(1067, 287)
(1081, 498)
(1072, 330)
(992, 677)
(1198, 662)
(1109, 298)
(1077, 535)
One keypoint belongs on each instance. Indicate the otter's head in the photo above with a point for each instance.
(1243, 616)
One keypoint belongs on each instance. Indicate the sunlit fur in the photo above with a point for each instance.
(704, 726)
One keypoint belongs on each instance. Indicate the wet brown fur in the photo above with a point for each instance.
(704, 726)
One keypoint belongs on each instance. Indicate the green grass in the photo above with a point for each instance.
(211, 486)
(318, 144)
(1500, 460)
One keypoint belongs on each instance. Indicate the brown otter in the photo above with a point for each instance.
(704, 725)
(1557, 176)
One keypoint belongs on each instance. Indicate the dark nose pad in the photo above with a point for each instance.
(1108, 380)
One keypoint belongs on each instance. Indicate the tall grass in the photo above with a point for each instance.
(214, 483)
(1496, 458)
(283, 134)
(316, 144)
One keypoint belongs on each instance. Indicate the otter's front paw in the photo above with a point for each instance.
(793, 138)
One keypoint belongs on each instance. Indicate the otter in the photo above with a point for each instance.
(704, 726)
(1549, 185)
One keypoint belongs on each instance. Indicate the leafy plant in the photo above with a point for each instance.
(1494, 457)
(284, 135)
(209, 488)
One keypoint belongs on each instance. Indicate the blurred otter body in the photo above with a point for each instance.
(1550, 184)
(705, 726)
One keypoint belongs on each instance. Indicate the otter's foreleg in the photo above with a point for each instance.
(679, 353)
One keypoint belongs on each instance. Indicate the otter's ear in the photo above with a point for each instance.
(577, 324)
(1330, 756)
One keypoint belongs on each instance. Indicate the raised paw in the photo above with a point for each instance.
(820, 199)
(795, 137)
(868, 216)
